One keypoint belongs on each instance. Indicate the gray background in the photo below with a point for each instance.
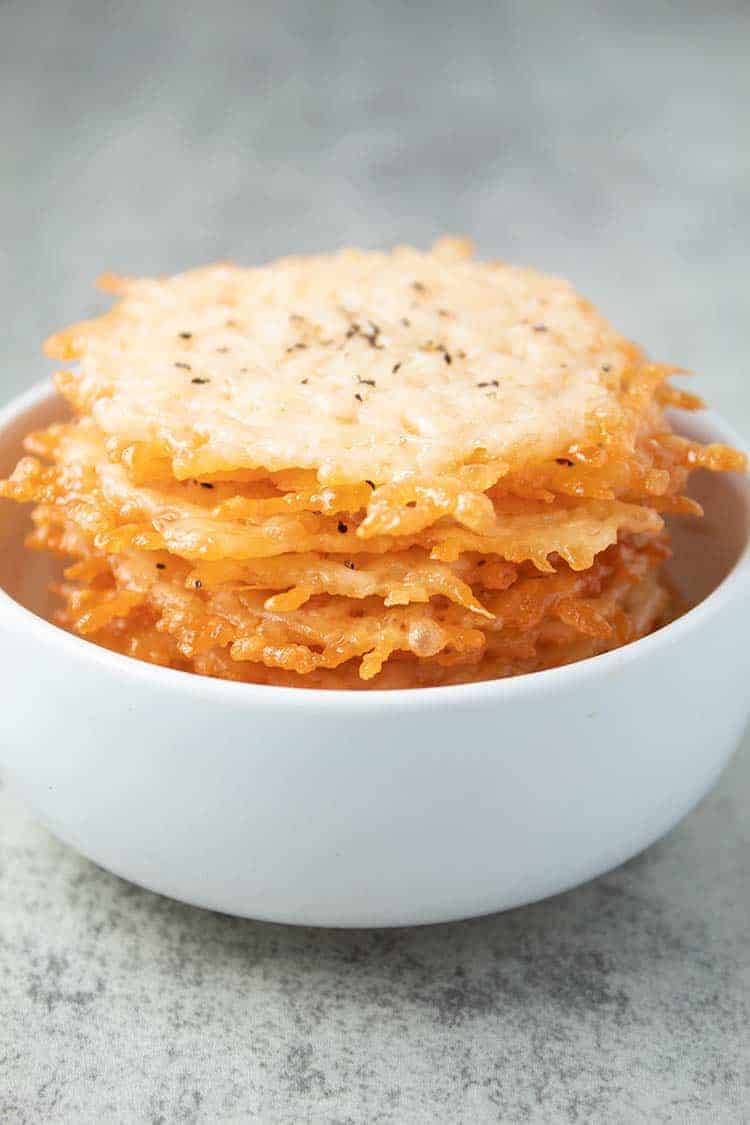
(606, 142)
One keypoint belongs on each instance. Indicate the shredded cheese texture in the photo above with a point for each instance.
(358, 365)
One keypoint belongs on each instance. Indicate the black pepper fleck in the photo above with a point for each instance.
(161, 566)
(606, 367)
(540, 328)
(304, 382)
(489, 383)
(199, 381)
(349, 564)
(342, 527)
(564, 461)
(186, 335)
(396, 367)
(359, 398)
(198, 584)
(184, 366)
(372, 336)
(371, 483)
(206, 484)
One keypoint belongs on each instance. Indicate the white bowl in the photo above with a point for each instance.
(374, 808)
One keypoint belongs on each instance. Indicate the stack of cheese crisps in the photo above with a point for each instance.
(359, 470)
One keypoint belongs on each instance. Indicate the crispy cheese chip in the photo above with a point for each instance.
(330, 634)
(187, 521)
(358, 365)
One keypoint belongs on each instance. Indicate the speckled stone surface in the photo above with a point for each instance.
(603, 142)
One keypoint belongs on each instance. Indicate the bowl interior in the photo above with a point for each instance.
(25, 574)
(705, 551)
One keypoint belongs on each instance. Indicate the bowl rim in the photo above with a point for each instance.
(495, 691)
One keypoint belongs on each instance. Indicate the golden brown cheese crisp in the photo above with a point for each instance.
(358, 365)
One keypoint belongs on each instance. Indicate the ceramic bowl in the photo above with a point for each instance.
(376, 808)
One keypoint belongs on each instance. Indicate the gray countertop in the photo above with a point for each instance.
(603, 142)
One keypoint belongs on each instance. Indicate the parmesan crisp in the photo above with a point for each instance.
(358, 365)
